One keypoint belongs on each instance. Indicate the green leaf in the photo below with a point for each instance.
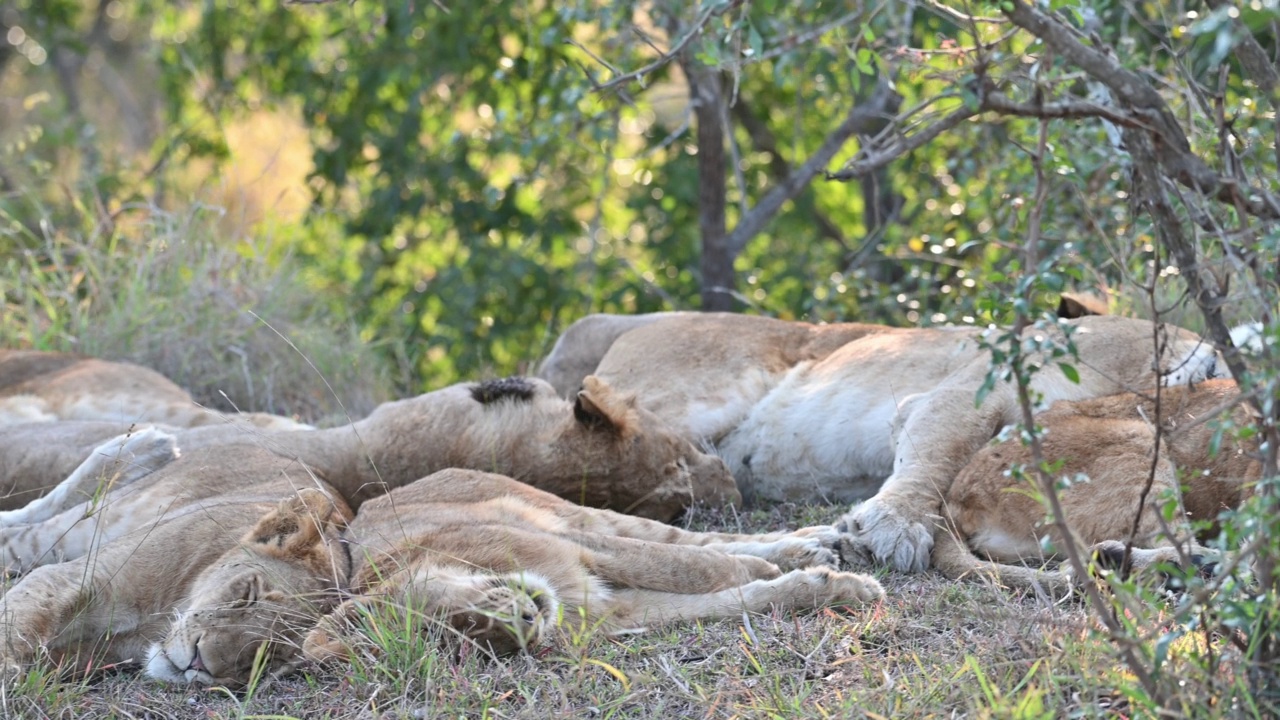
(1070, 371)
(755, 42)
(864, 61)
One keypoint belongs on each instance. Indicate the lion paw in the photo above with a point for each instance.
(146, 450)
(508, 619)
(1150, 564)
(797, 553)
(323, 644)
(887, 534)
(845, 587)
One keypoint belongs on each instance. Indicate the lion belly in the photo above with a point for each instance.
(825, 433)
(809, 447)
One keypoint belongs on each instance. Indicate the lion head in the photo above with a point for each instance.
(246, 613)
(667, 471)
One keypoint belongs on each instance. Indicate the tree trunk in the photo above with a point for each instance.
(718, 281)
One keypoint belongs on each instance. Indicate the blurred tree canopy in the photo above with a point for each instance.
(482, 177)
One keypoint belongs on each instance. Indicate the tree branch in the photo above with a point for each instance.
(764, 141)
(1147, 111)
(1252, 57)
(1171, 148)
(995, 101)
(861, 119)
(706, 92)
(872, 158)
(989, 100)
(694, 30)
(1203, 285)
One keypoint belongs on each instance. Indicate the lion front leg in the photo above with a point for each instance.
(327, 640)
(625, 562)
(788, 550)
(944, 430)
(808, 547)
(63, 609)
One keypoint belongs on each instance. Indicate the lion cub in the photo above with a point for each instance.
(494, 559)
(1112, 441)
(599, 449)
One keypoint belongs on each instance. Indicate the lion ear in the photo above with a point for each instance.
(1077, 305)
(300, 522)
(320, 507)
(246, 590)
(598, 406)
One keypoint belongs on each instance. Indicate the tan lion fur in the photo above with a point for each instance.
(494, 560)
(804, 413)
(1112, 440)
(580, 347)
(46, 386)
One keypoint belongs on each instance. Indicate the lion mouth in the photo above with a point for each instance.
(196, 664)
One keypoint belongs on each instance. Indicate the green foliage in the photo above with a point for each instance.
(489, 196)
(474, 193)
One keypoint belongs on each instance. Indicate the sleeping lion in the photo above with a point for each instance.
(495, 560)
(248, 572)
(599, 450)
(48, 386)
(991, 519)
(804, 412)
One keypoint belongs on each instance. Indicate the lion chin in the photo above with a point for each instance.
(161, 666)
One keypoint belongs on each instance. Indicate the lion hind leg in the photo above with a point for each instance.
(1146, 562)
(953, 558)
(788, 552)
(115, 463)
(630, 610)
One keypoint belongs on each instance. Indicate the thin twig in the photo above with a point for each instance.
(1022, 322)
(710, 11)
